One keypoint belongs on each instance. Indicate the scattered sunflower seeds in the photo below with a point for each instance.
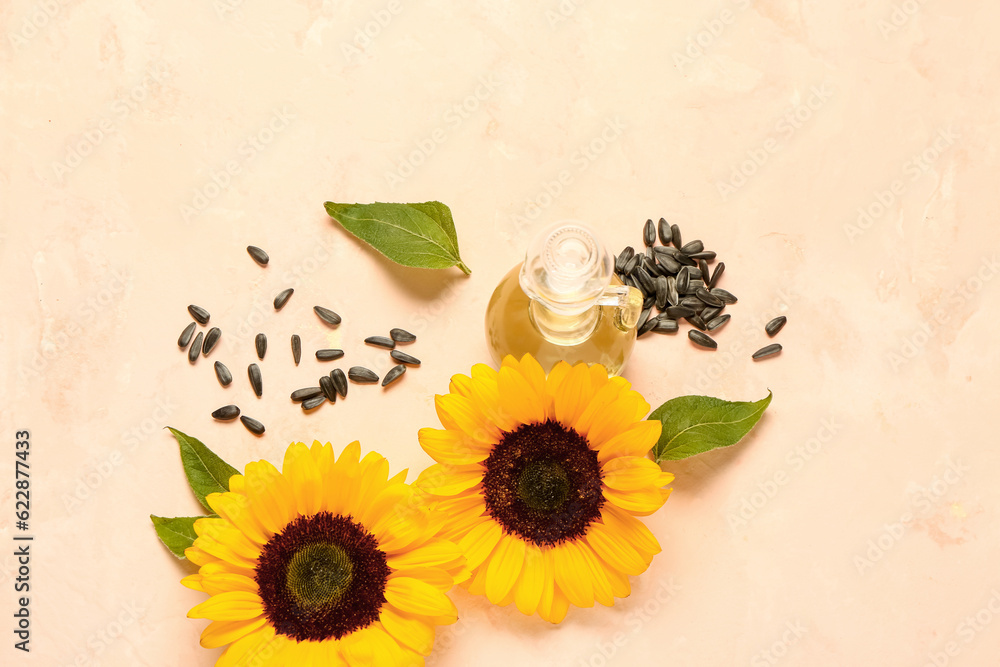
(296, 349)
(327, 315)
(186, 335)
(664, 230)
(195, 348)
(226, 413)
(361, 375)
(300, 395)
(697, 322)
(340, 381)
(329, 354)
(698, 338)
(726, 296)
(393, 374)
(381, 341)
(717, 322)
(258, 255)
(665, 325)
(693, 247)
(282, 298)
(313, 403)
(252, 425)
(404, 358)
(260, 342)
(211, 339)
(766, 351)
(774, 326)
(199, 314)
(709, 298)
(402, 336)
(221, 372)
(256, 381)
(329, 391)
(649, 233)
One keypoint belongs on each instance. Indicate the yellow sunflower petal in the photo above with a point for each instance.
(489, 409)
(533, 373)
(214, 584)
(640, 502)
(635, 440)
(437, 552)
(418, 597)
(459, 413)
(548, 585)
(529, 586)
(620, 586)
(300, 468)
(573, 574)
(615, 551)
(270, 495)
(408, 630)
(229, 606)
(617, 417)
(452, 447)
(193, 581)
(479, 542)
(256, 645)
(603, 398)
(220, 633)
(624, 525)
(598, 576)
(235, 508)
(237, 484)
(504, 566)
(518, 398)
(435, 576)
(626, 473)
(213, 531)
(461, 385)
(447, 480)
(572, 395)
(559, 607)
(350, 456)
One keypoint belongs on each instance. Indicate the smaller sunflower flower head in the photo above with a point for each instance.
(541, 478)
(325, 562)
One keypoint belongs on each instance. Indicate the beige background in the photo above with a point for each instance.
(145, 144)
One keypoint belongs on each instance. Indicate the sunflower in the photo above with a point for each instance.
(541, 479)
(327, 562)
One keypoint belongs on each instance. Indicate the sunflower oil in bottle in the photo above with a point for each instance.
(564, 303)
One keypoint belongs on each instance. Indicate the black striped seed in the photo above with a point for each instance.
(327, 315)
(296, 349)
(675, 236)
(260, 342)
(199, 314)
(704, 255)
(339, 381)
(256, 381)
(704, 270)
(710, 313)
(664, 229)
(402, 336)
(226, 413)
(404, 358)
(381, 341)
(362, 375)
(326, 384)
(726, 296)
(258, 255)
(646, 327)
(774, 326)
(329, 354)
(662, 290)
(708, 297)
(185, 337)
(719, 269)
(698, 322)
(393, 374)
(282, 298)
(717, 322)
(665, 325)
(195, 348)
(211, 340)
(683, 278)
(649, 233)
(300, 395)
(767, 351)
(221, 372)
(698, 338)
(313, 403)
(693, 247)
(643, 316)
(674, 312)
(252, 425)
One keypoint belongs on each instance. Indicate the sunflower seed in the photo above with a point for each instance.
(361, 375)
(646, 327)
(404, 358)
(683, 277)
(260, 342)
(393, 374)
(329, 354)
(226, 412)
(300, 395)
(313, 403)
(767, 351)
(717, 322)
(381, 341)
(664, 229)
(258, 255)
(643, 316)
(703, 269)
(708, 297)
(665, 325)
(675, 236)
(327, 315)
(282, 298)
(649, 233)
(649, 252)
(199, 314)
(296, 348)
(697, 321)
(661, 292)
(694, 273)
(631, 282)
(339, 381)
(774, 326)
(719, 269)
(631, 265)
(645, 281)
(726, 296)
(668, 263)
(710, 313)
(693, 247)
(685, 260)
(695, 284)
(648, 302)
(252, 425)
(326, 384)
(211, 339)
(402, 336)
(185, 336)
(673, 298)
(256, 381)
(221, 372)
(195, 348)
(698, 338)
(674, 312)
(707, 254)
(649, 264)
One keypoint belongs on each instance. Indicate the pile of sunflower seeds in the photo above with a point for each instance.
(677, 279)
(310, 398)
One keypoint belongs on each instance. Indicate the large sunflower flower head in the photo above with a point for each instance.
(541, 479)
(325, 562)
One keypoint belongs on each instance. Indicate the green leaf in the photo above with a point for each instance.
(206, 472)
(696, 424)
(176, 533)
(419, 235)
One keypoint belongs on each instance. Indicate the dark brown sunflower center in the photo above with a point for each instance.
(543, 483)
(323, 576)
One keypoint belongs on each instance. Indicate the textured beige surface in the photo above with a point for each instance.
(145, 144)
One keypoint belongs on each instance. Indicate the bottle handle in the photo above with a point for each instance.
(627, 302)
